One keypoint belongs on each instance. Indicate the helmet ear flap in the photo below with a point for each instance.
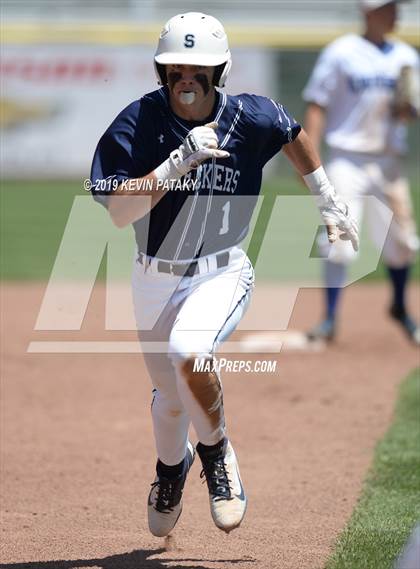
(161, 73)
(221, 72)
(218, 70)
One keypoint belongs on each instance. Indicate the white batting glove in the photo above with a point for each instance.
(334, 212)
(200, 144)
(336, 216)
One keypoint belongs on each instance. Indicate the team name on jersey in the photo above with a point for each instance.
(217, 177)
(358, 84)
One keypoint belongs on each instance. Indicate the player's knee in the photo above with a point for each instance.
(174, 412)
(402, 253)
(196, 366)
(399, 260)
(166, 403)
(201, 378)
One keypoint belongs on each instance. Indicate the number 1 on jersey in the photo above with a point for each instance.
(225, 221)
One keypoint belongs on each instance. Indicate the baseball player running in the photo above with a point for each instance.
(362, 91)
(184, 164)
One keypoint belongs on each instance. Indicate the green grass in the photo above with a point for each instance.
(389, 507)
(34, 214)
(33, 217)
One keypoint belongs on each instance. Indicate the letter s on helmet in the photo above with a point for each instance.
(193, 39)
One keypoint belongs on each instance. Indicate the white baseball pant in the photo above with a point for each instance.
(191, 316)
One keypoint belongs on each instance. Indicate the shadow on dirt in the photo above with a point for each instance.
(137, 559)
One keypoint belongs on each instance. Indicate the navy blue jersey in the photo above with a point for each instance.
(213, 212)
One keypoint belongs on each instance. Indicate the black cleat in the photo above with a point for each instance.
(165, 499)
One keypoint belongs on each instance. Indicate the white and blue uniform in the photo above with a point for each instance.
(191, 280)
(355, 80)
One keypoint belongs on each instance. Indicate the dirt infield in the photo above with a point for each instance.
(78, 456)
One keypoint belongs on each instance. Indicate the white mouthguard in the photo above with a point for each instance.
(187, 98)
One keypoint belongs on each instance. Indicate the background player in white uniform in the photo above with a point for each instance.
(352, 101)
(191, 280)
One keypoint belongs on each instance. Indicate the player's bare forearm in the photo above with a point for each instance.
(314, 123)
(302, 154)
(134, 199)
(305, 159)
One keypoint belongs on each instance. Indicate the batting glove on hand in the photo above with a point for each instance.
(200, 144)
(336, 216)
